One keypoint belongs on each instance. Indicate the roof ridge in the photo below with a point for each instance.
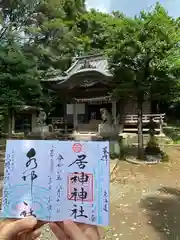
(89, 56)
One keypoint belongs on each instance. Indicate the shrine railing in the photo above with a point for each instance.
(57, 120)
(157, 118)
(61, 122)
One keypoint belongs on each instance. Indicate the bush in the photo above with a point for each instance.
(152, 147)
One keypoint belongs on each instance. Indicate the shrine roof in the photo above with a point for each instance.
(95, 64)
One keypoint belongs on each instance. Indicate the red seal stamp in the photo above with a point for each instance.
(77, 147)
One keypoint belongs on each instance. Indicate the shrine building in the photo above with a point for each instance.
(84, 89)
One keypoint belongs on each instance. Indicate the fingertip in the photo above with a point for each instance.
(36, 234)
(18, 226)
(58, 231)
(54, 227)
(30, 221)
(72, 230)
(52, 224)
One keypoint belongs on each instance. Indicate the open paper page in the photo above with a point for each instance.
(57, 180)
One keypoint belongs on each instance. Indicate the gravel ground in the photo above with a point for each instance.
(145, 201)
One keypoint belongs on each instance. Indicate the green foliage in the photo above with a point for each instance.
(95, 30)
(37, 37)
(144, 56)
(14, 16)
(53, 34)
(173, 133)
(152, 147)
(144, 59)
(18, 73)
(19, 84)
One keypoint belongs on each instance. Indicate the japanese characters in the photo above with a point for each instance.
(30, 173)
(31, 165)
(57, 180)
(80, 184)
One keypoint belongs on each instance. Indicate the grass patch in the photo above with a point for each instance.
(173, 132)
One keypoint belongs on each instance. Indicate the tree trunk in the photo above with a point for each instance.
(121, 115)
(140, 131)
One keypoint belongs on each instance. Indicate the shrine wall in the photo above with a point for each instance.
(131, 107)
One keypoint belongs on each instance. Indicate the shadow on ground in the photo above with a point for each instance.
(130, 151)
(164, 212)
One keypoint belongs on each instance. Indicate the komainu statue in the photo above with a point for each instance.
(106, 116)
(106, 127)
(41, 119)
(109, 127)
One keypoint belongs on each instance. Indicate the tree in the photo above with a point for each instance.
(95, 29)
(52, 38)
(19, 84)
(14, 17)
(144, 58)
(52, 34)
(45, 31)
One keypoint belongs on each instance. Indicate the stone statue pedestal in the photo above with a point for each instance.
(42, 129)
(107, 130)
(41, 132)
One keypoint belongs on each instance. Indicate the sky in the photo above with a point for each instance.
(133, 7)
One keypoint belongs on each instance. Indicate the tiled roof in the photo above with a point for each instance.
(97, 63)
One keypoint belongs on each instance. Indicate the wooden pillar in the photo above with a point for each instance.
(114, 111)
(161, 124)
(75, 122)
(33, 122)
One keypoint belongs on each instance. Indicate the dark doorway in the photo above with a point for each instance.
(94, 110)
(23, 121)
